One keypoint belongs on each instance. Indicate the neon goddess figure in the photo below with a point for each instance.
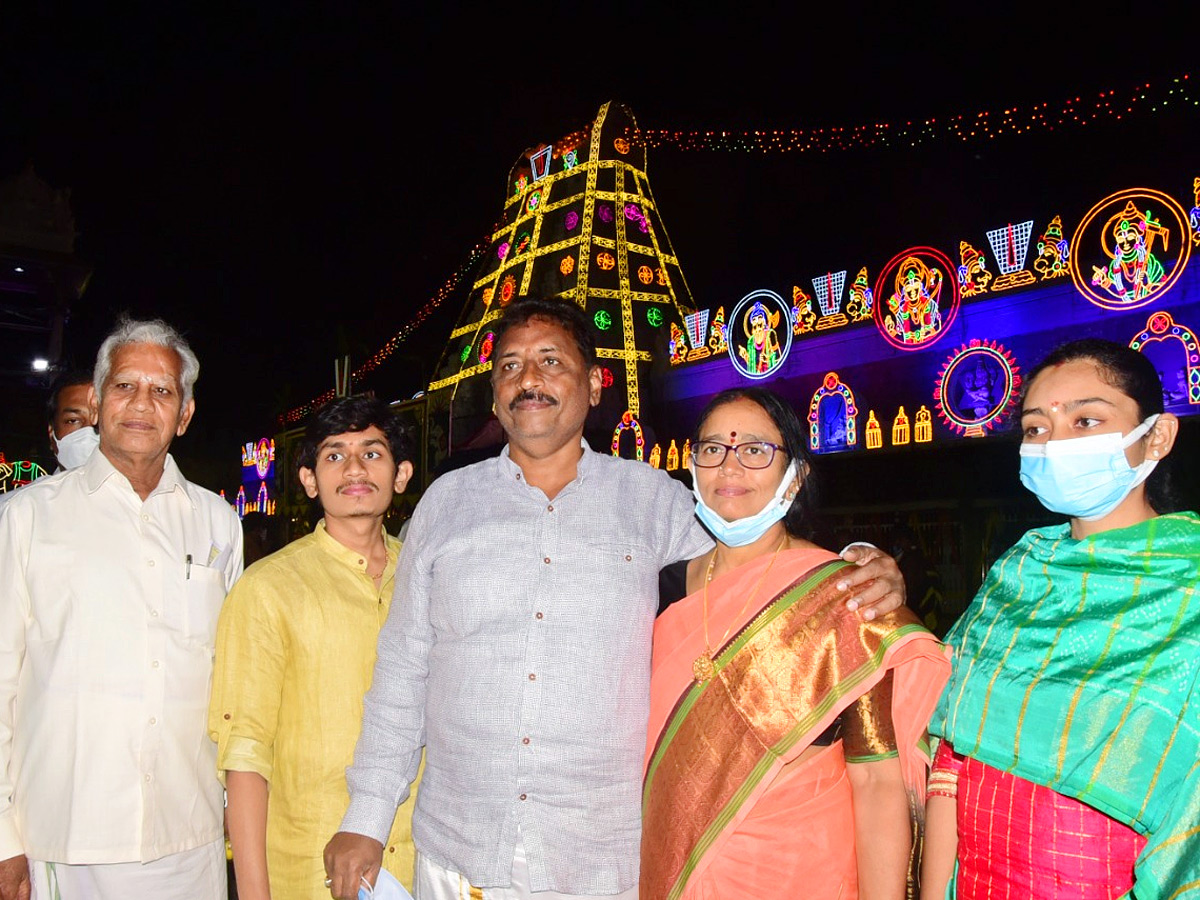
(915, 314)
(1135, 271)
(761, 352)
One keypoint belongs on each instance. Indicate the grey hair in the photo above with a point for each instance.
(147, 331)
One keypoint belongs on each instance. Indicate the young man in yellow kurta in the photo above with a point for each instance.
(295, 652)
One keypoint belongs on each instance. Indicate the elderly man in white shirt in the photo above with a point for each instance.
(111, 579)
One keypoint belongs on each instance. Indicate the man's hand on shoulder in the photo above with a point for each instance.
(14, 879)
(876, 586)
(348, 858)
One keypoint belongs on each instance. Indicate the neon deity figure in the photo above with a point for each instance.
(716, 333)
(804, 319)
(1053, 251)
(762, 351)
(973, 274)
(678, 345)
(1135, 272)
(915, 313)
(862, 300)
(1194, 216)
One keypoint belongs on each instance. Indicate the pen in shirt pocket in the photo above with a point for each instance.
(187, 567)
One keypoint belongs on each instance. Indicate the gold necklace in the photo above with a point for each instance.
(705, 665)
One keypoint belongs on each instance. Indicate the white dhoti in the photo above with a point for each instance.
(191, 875)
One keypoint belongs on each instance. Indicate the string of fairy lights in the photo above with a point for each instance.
(376, 360)
(983, 124)
(987, 124)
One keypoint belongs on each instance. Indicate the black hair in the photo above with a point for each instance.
(67, 379)
(353, 414)
(1131, 373)
(561, 312)
(799, 519)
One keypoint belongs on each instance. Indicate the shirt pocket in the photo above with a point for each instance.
(204, 591)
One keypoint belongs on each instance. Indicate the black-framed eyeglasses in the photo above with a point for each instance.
(751, 454)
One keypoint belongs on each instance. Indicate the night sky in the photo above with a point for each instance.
(288, 185)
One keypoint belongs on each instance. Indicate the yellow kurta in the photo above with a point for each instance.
(295, 651)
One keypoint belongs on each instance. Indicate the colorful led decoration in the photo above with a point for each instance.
(571, 220)
(696, 323)
(1180, 383)
(466, 352)
(654, 316)
(1130, 249)
(502, 250)
(923, 426)
(900, 428)
(977, 387)
(686, 458)
(804, 319)
(485, 347)
(677, 347)
(605, 261)
(1194, 216)
(973, 276)
(716, 333)
(757, 352)
(521, 183)
(621, 145)
(603, 319)
(874, 432)
(1052, 114)
(606, 377)
(672, 457)
(656, 456)
(1053, 252)
(832, 422)
(539, 162)
(604, 212)
(1010, 243)
(567, 264)
(862, 299)
(920, 298)
(258, 470)
(508, 289)
(570, 160)
(828, 288)
(628, 423)
(522, 242)
(645, 274)
(533, 201)
(661, 278)
(18, 473)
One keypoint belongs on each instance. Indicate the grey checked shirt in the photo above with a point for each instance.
(517, 651)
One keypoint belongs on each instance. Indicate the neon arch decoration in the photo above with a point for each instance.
(758, 323)
(916, 298)
(831, 416)
(629, 423)
(1178, 384)
(977, 387)
(1130, 249)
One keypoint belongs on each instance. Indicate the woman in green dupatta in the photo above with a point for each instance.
(782, 727)
(1068, 765)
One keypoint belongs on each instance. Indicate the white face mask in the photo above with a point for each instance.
(75, 448)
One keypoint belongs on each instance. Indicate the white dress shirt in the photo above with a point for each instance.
(108, 613)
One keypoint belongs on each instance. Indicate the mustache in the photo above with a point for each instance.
(536, 396)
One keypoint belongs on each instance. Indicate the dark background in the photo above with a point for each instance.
(287, 182)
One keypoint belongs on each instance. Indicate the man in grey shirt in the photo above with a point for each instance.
(517, 648)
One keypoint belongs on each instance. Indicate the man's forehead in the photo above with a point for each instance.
(371, 435)
(539, 333)
(145, 362)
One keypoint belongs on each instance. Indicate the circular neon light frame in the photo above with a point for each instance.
(784, 328)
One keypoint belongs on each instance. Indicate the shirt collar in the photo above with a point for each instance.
(511, 471)
(99, 469)
(348, 557)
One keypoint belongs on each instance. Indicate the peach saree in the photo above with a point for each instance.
(727, 810)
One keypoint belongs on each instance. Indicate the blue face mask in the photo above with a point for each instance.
(745, 531)
(386, 888)
(1085, 478)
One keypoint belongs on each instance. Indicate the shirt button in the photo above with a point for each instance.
(628, 558)
(145, 518)
(524, 740)
(154, 664)
(150, 563)
(153, 721)
(522, 796)
(391, 849)
(149, 777)
(532, 677)
(154, 613)
(228, 716)
(539, 615)
(545, 559)
(550, 508)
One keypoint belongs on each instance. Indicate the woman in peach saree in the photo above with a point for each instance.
(782, 727)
